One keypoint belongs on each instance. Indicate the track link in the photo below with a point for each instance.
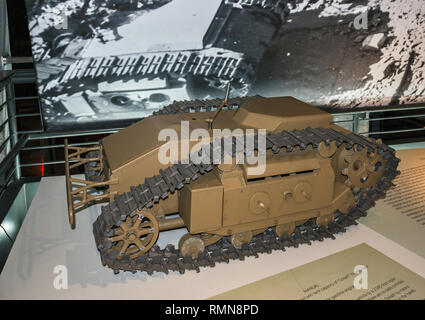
(202, 105)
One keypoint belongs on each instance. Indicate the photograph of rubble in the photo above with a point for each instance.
(109, 63)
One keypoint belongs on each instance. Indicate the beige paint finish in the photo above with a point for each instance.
(271, 114)
(201, 204)
(295, 186)
(282, 113)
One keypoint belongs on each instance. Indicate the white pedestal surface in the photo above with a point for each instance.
(46, 240)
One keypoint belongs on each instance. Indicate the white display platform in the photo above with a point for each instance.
(46, 240)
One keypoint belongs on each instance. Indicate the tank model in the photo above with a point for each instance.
(319, 178)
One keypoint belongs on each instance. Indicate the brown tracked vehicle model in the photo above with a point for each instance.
(319, 179)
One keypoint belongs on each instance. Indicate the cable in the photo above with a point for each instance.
(6, 233)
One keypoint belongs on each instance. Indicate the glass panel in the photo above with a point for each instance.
(4, 134)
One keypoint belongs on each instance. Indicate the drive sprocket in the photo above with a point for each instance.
(362, 168)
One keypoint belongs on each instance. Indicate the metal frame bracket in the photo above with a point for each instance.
(82, 193)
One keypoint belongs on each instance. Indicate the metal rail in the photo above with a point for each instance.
(8, 129)
(6, 174)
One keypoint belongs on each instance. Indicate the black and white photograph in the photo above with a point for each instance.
(108, 63)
